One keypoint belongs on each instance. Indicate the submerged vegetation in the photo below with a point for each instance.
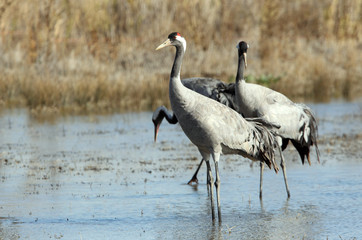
(98, 56)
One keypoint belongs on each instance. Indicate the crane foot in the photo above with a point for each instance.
(193, 180)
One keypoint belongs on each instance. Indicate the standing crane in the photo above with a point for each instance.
(296, 121)
(209, 87)
(213, 127)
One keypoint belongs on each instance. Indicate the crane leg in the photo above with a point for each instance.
(194, 177)
(216, 157)
(211, 187)
(282, 164)
(207, 181)
(261, 180)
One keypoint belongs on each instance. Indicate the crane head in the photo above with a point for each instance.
(242, 50)
(157, 126)
(157, 119)
(173, 39)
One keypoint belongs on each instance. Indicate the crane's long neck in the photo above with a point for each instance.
(176, 68)
(176, 89)
(240, 91)
(240, 72)
(170, 116)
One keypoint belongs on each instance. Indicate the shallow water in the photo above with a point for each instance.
(103, 177)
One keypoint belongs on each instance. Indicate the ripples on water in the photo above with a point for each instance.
(103, 177)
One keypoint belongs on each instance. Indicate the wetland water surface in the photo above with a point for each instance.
(102, 177)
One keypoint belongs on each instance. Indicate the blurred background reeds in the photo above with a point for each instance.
(98, 55)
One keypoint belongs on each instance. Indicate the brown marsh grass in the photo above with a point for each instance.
(98, 55)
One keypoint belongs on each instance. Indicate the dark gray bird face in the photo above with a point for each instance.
(242, 50)
(243, 47)
(157, 127)
(157, 119)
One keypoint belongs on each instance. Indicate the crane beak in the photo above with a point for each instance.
(157, 126)
(246, 63)
(164, 44)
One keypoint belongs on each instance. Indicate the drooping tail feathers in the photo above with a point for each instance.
(313, 130)
(310, 137)
(267, 144)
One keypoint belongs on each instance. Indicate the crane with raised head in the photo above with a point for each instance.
(213, 127)
(209, 87)
(296, 121)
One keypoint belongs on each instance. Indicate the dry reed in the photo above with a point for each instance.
(98, 56)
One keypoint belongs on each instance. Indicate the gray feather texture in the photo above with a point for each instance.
(212, 126)
(297, 122)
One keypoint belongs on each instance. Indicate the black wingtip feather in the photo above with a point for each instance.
(313, 131)
(267, 148)
(303, 147)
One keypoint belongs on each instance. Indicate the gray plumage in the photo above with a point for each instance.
(297, 122)
(212, 88)
(213, 127)
(209, 87)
